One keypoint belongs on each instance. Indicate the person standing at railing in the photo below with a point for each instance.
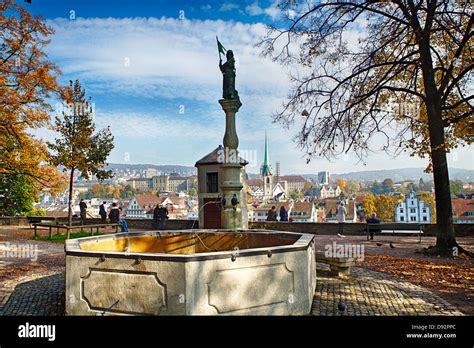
(103, 213)
(156, 217)
(163, 216)
(122, 221)
(341, 216)
(272, 215)
(83, 209)
(371, 229)
(114, 214)
(283, 214)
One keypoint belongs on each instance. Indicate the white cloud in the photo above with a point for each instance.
(170, 59)
(228, 6)
(254, 9)
(162, 57)
(206, 7)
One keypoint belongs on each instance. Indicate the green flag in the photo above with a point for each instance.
(220, 48)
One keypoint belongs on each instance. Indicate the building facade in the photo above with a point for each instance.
(140, 204)
(412, 210)
(329, 191)
(170, 183)
(141, 184)
(297, 211)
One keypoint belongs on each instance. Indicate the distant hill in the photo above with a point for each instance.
(164, 168)
(397, 175)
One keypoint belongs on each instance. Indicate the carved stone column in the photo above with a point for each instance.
(231, 214)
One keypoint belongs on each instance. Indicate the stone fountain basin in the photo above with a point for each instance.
(199, 272)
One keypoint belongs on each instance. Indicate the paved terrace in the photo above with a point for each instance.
(37, 288)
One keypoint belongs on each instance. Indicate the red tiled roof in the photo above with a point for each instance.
(461, 207)
(254, 182)
(148, 200)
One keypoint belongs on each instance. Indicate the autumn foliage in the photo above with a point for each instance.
(27, 80)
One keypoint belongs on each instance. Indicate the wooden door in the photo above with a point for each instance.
(212, 213)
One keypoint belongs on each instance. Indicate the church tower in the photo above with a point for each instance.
(266, 173)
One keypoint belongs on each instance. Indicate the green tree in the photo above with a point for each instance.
(376, 188)
(387, 185)
(78, 148)
(37, 212)
(352, 187)
(411, 66)
(17, 194)
(456, 186)
(193, 192)
(296, 195)
(308, 185)
(128, 192)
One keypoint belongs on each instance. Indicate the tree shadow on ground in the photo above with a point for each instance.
(41, 296)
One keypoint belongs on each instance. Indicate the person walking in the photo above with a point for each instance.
(83, 209)
(163, 216)
(103, 213)
(283, 214)
(372, 229)
(272, 214)
(114, 214)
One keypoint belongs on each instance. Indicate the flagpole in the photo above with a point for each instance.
(218, 50)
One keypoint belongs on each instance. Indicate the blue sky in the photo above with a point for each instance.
(151, 68)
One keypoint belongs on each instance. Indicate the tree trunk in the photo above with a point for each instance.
(71, 188)
(445, 240)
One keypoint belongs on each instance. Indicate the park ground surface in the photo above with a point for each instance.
(388, 281)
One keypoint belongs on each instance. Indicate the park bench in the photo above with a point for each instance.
(45, 219)
(72, 227)
(395, 229)
(338, 265)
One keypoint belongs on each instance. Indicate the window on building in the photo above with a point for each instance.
(212, 182)
(402, 218)
(401, 210)
(425, 218)
(413, 218)
(412, 210)
(424, 210)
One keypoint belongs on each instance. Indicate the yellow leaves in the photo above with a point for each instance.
(26, 81)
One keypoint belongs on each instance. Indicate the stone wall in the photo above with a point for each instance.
(351, 228)
(305, 227)
(146, 224)
(13, 221)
